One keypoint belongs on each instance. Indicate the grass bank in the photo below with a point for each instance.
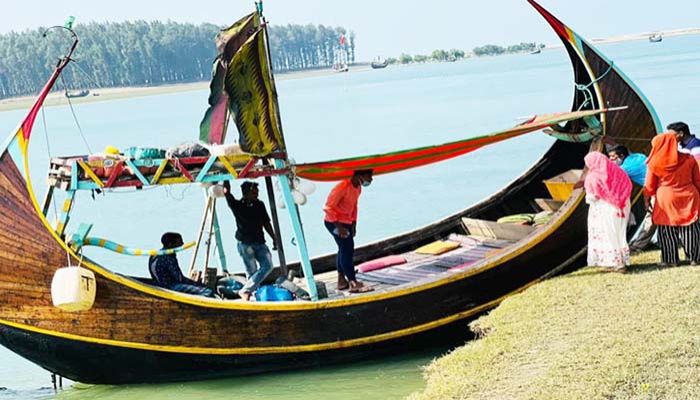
(587, 335)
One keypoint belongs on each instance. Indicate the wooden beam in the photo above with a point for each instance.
(199, 235)
(90, 173)
(298, 233)
(159, 172)
(248, 166)
(275, 222)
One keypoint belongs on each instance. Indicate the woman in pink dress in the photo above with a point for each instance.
(608, 190)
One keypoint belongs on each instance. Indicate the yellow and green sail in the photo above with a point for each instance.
(242, 87)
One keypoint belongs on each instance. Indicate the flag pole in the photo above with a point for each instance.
(285, 181)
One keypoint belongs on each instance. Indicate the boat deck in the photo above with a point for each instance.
(471, 250)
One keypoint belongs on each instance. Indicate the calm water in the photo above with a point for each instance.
(331, 117)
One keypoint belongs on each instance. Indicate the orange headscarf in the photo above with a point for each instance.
(663, 159)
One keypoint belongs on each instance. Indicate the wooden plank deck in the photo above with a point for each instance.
(418, 266)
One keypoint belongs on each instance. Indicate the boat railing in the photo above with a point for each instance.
(88, 172)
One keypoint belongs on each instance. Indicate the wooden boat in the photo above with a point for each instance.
(76, 93)
(340, 68)
(135, 332)
(379, 64)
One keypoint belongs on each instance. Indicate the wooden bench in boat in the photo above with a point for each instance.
(549, 204)
(490, 229)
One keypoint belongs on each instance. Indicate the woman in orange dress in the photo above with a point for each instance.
(673, 179)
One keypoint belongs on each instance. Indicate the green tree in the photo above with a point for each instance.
(419, 58)
(439, 55)
(488, 50)
(139, 53)
(405, 58)
(456, 54)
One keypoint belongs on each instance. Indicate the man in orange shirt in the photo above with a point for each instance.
(341, 222)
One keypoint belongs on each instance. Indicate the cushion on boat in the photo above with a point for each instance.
(438, 247)
(380, 263)
(520, 219)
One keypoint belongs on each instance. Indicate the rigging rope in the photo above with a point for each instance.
(75, 118)
(48, 150)
(587, 94)
(76, 63)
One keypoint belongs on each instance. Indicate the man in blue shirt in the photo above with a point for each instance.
(635, 165)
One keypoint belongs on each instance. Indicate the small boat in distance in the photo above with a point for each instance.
(655, 37)
(76, 93)
(379, 63)
(537, 50)
(340, 67)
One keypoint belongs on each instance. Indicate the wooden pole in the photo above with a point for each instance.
(219, 244)
(47, 201)
(275, 222)
(285, 183)
(199, 236)
(298, 233)
(211, 232)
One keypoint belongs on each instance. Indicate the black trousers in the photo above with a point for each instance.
(688, 236)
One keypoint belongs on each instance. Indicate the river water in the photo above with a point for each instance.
(362, 112)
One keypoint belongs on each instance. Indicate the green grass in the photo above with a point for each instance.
(587, 335)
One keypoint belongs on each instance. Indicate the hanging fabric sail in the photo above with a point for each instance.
(252, 98)
(212, 129)
(401, 160)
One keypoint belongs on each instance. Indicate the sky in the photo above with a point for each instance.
(385, 27)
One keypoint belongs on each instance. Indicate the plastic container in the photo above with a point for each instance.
(561, 186)
(273, 293)
(73, 289)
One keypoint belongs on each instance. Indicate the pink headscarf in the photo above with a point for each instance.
(606, 181)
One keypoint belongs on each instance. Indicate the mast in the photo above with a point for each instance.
(285, 182)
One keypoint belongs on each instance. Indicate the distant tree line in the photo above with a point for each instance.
(455, 54)
(144, 53)
(494, 50)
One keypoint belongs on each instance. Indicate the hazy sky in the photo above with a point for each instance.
(384, 27)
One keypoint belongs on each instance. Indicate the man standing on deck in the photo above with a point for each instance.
(251, 218)
(341, 222)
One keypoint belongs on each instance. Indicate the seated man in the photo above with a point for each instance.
(166, 273)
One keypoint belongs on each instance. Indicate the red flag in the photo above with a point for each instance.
(342, 39)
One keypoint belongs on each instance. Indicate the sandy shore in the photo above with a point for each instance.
(58, 99)
(638, 36)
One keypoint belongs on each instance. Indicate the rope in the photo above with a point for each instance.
(630, 138)
(587, 94)
(169, 192)
(97, 85)
(48, 150)
(75, 118)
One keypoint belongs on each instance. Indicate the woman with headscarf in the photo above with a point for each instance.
(673, 179)
(608, 190)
